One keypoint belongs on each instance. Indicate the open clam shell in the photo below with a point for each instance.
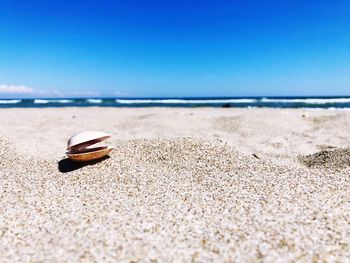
(85, 146)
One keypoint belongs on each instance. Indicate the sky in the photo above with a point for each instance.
(198, 48)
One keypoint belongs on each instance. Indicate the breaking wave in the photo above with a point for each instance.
(183, 101)
(94, 101)
(41, 101)
(10, 101)
(248, 102)
(308, 100)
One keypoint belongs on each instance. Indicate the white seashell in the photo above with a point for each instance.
(81, 146)
(87, 138)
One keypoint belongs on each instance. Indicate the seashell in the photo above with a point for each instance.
(82, 146)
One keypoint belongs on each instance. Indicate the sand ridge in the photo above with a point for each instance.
(332, 159)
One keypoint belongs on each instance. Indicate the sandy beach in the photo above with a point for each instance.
(183, 184)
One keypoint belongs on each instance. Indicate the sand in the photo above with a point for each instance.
(224, 185)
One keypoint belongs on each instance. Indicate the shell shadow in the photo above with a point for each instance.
(66, 165)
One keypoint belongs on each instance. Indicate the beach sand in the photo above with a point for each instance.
(203, 184)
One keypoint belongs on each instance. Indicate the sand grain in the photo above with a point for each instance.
(172, 198)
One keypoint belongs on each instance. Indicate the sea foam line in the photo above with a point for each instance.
(94, 100)
(41, 101)
(182, 101)
(10, 101)
(308, 101)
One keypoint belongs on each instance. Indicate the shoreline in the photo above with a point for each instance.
(215, 102)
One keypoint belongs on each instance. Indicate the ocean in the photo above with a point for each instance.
(238, 102)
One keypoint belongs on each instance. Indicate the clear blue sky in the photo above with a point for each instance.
(174, 48)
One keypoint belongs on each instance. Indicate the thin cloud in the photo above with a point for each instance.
(49, 93)
(15, 89)
(83, 94)
(119, 93)
(22, 91)
(60, 94)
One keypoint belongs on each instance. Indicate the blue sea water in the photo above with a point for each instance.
(238, 102)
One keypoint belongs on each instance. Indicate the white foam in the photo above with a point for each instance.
(308, 101)
(63, 101)
(183, 101)
(41, 101)
(94, 100)
(10, 101)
